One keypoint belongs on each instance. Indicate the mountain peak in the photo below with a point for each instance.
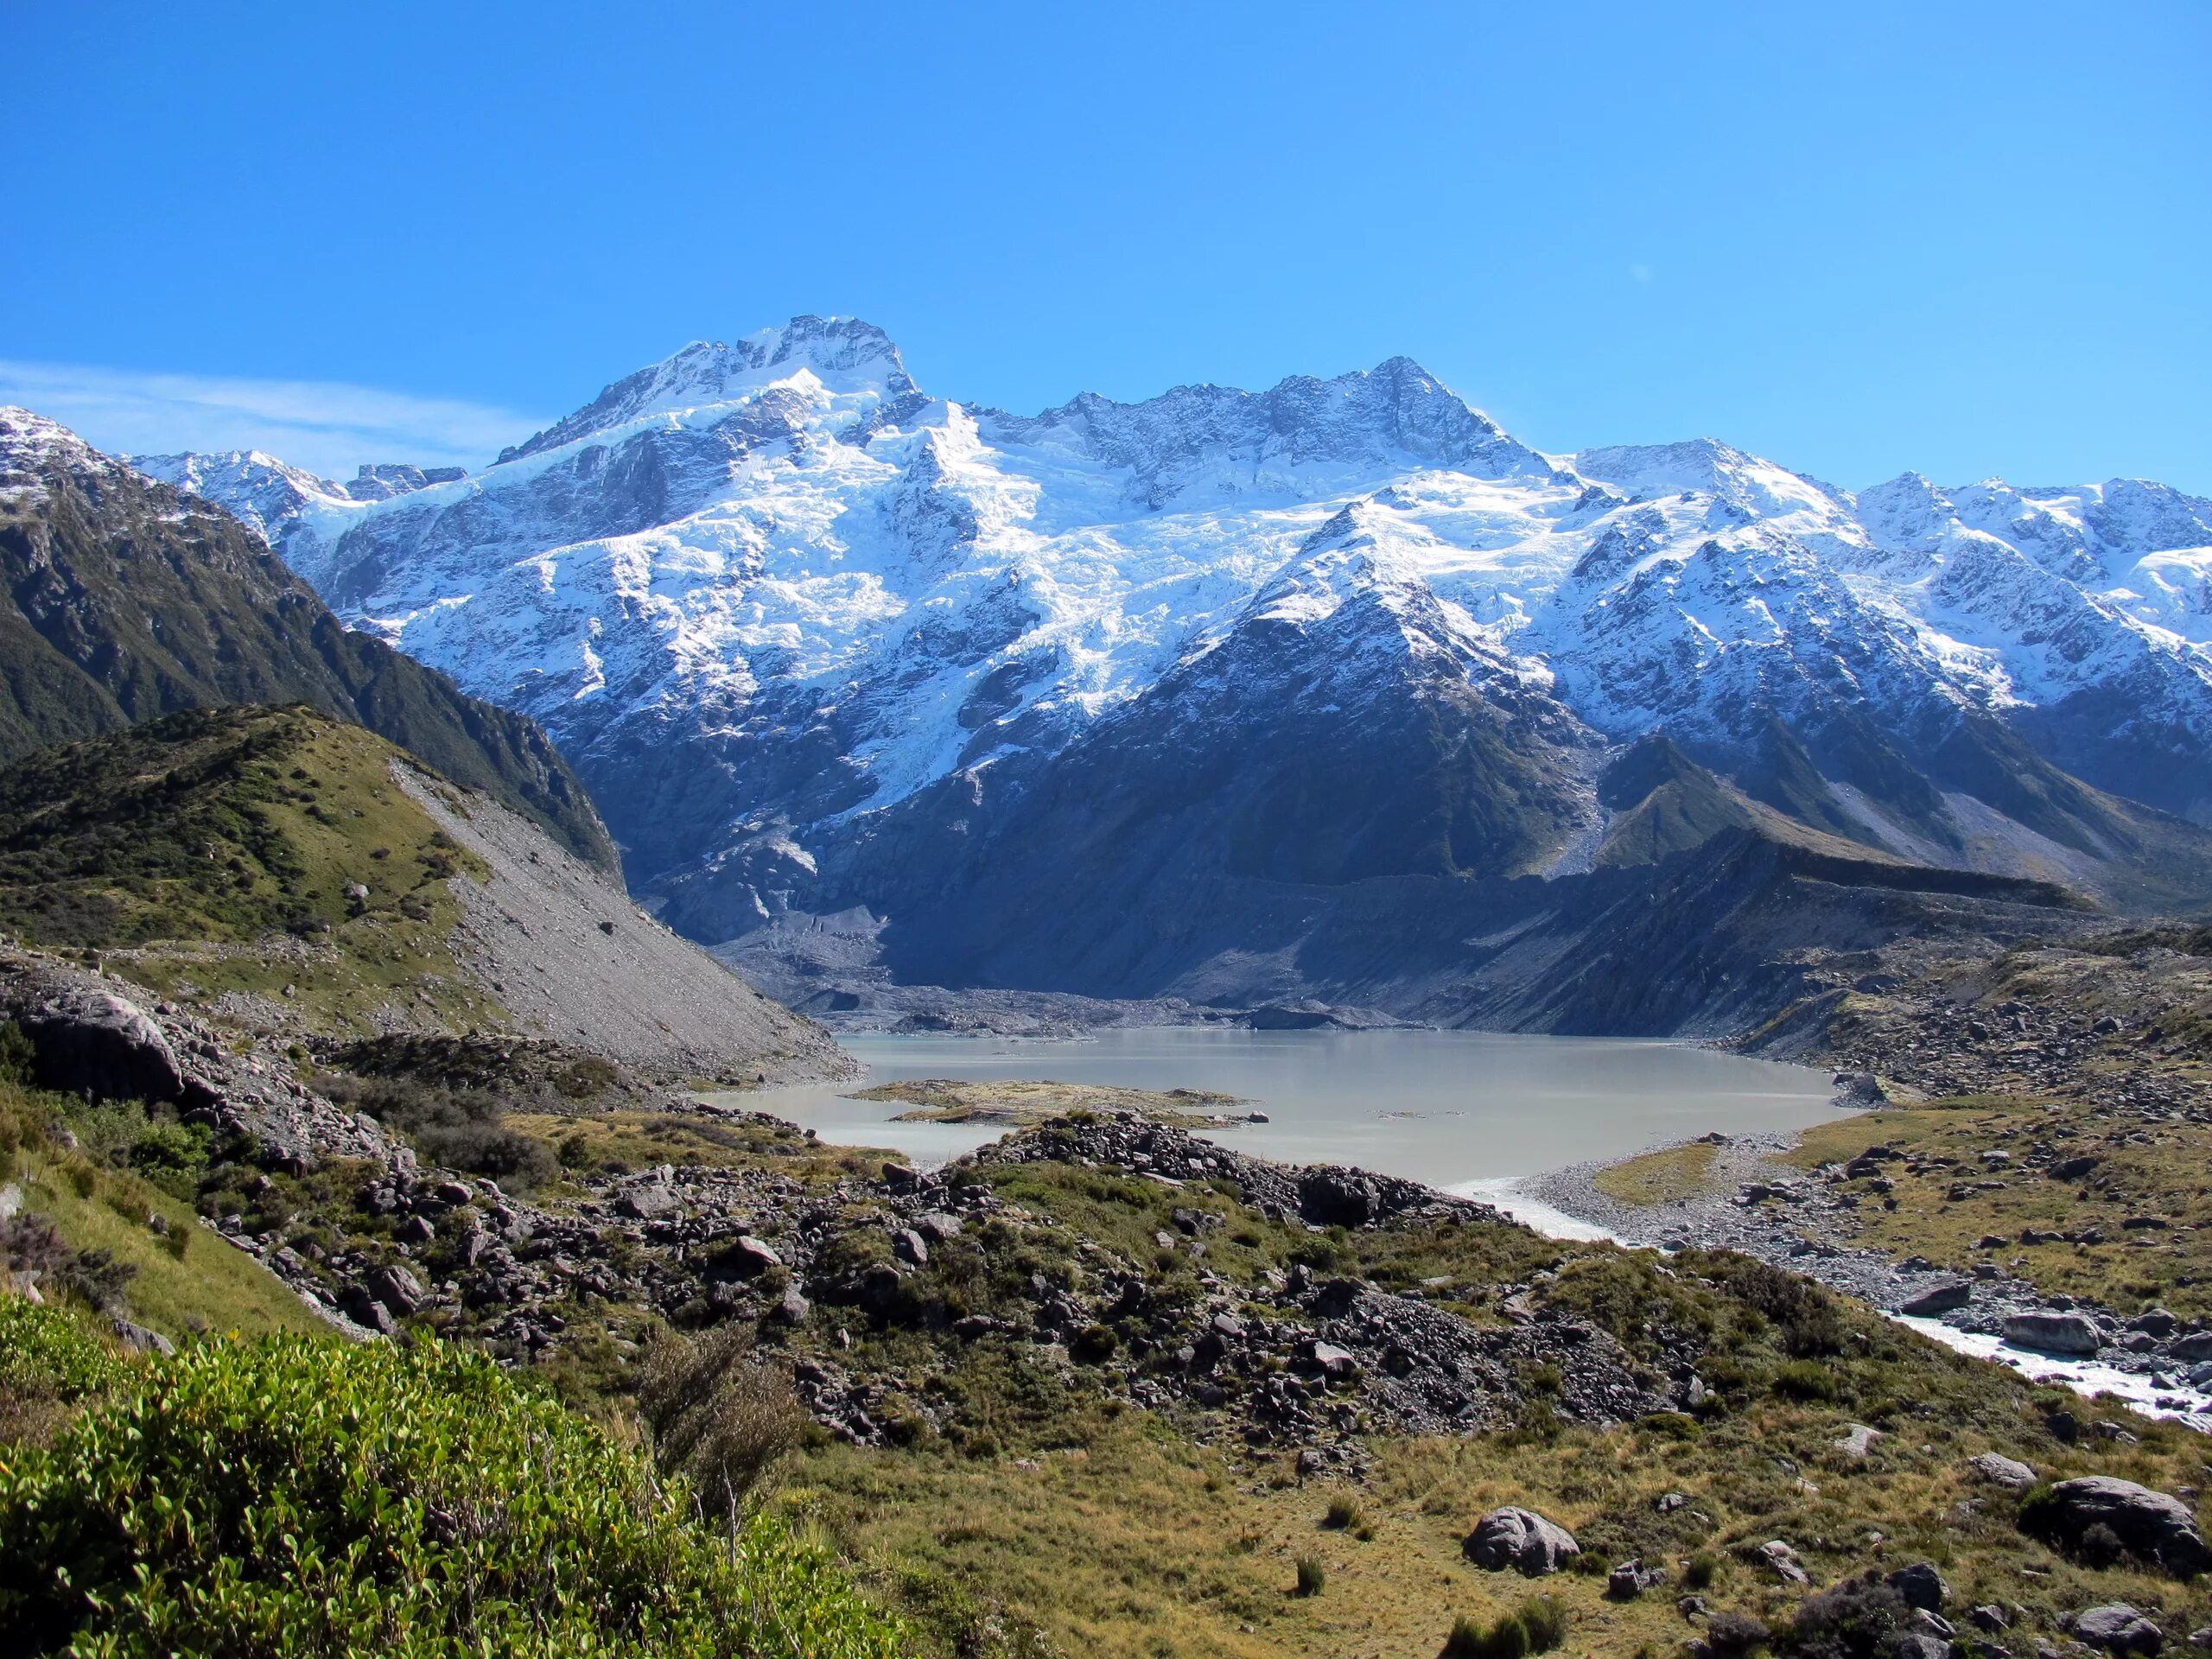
(845, 353)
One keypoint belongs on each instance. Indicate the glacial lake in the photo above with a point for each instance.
(1453, 1109)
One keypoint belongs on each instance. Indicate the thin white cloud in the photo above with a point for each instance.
(324, 427)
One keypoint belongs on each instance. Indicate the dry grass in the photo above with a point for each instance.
(1665, 1177)
(1135, 1545)
(619, 1142)
(2163, 1171)
(1025, 1101)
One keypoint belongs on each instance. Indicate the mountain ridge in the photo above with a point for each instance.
(798, 619)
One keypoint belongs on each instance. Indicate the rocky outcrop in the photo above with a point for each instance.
(2152, 1524)
(1522, 1539)
(2118, 1628)
(89, 1041)
(102, 1036)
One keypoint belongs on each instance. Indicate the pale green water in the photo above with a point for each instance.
(1447, 1108)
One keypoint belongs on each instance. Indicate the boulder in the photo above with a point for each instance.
(2197, 1346)
(2054, 1333)
(1920, 1585)
(1782, 1560)
(398, 1289)
(791, 1308)
(1943, 1299)
(647, 1202)
(1338, 1197)
(1632, 1578)
(2118, 1628)
(138, 1336)
(2152, 1524)
(1520, 1539)
(2001, 1470)
(92, 1042)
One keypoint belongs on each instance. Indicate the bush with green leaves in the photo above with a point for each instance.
(412, 1501)
(50, 1360)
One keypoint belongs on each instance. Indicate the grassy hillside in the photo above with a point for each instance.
(188, 842)
(122, 600)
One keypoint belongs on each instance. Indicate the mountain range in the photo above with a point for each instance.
(1334, 689)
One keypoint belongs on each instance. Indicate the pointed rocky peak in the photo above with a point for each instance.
(846, 354)
(1909, 513)
(33, 449)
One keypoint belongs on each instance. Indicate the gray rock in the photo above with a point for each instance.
(908, 1246)
(2150, 1524)
(93, 1042)
(791, 1308)
(398, 1289)
(1943, 1299)
(1520, 1539)
(2197, 1346)
(1632, 1578)
(138, 1336)
(1922, 1644)
(1858, 1440)
(750, 1256)
(1920, 1585)
(2118, 1628)
(1782, 1560)
(2003, 1471)
(2054, 1333)
(644, 1203)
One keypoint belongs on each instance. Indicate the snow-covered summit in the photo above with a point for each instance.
(845, 355)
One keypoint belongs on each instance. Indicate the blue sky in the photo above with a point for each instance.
(1962, 239)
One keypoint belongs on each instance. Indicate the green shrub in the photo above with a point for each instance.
(1312, 1576)
(1800, 1379)
(50, 1360)
(1698, 1572)
(18, 1059)
(295, 1496)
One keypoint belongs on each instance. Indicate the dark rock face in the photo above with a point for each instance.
(2154, 1525)
(1943, 1299)
(1522, 1539)
(93, 1042)
(1920, 1585)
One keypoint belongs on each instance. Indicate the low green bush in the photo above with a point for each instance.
(1312, 1576)
(293, 1498)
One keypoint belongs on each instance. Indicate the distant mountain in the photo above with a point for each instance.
(305, 878)
(1079, 701)
(126, 599)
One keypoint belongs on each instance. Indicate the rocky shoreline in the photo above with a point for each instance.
(1751, 1200)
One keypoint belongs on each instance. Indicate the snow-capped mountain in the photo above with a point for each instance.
(818, 639)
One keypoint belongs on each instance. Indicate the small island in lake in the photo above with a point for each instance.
(1025, 1101)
